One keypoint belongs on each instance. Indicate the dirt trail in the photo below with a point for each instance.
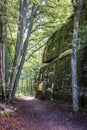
(33, 114)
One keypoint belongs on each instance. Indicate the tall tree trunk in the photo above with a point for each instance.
(77, 10)
(5, 43)
(19, 44)
(1, 35)
(2, 51)
(21, 64)
(12, 94)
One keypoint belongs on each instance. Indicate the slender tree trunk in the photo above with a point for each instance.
(1, 42)
(12, 94)
(77, 11)
(3, 75)
(2, 51)
(74, 66)
(20, 67)
(27, 83)
(19, 44)
(5, 43)
(1, 35)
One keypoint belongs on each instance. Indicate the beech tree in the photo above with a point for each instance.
(77, 6)
(21, 46)
(3, 47)
(24, 19)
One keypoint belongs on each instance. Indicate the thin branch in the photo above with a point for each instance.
(34, 52)
(37, 41)
(10, 33)
(10, 55)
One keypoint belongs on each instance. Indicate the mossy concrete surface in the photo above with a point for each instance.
(58, 69)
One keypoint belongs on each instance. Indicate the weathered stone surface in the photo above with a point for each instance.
(58, 67)
(58, 43)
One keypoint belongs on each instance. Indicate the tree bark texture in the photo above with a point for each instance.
(2, 52)
(19, 43)
(77, 11)
(18, 73)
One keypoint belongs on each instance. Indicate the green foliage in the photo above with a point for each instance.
(45, 24)
(5, 113)
(65, 53)
(83, 34)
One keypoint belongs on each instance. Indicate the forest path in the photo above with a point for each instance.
(34, 114)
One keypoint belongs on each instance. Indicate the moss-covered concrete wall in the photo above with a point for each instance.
(58, 67)
(61, 39)
(58, 42)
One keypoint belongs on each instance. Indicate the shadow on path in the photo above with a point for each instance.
(35, 114)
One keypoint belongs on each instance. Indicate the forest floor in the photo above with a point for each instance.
(34, 114)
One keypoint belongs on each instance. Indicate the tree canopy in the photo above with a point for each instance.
(27, 25)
